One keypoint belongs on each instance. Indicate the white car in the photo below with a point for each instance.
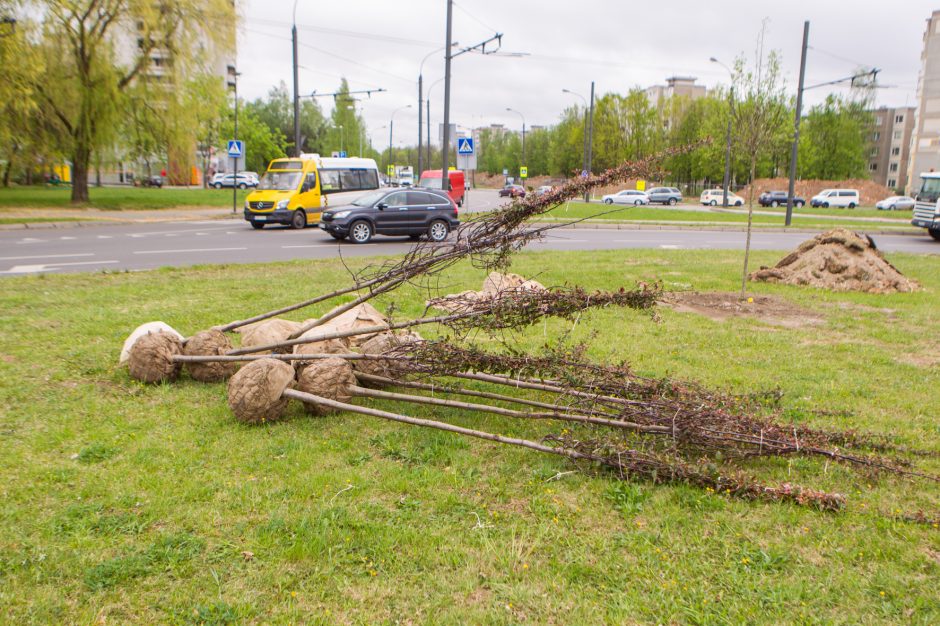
(836, 198)
(896, 203)
(627, 196)
(714, 197)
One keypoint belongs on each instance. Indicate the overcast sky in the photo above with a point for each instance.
(619, 44)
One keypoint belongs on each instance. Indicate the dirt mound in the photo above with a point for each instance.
(838, 260)
(869, 192)
(721, 306)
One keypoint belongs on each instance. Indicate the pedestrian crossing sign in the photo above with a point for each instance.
(464, 145)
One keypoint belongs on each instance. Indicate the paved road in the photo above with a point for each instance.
(147, 246)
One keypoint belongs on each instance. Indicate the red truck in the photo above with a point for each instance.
(431, 179)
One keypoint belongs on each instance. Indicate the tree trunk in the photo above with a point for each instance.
(750, 217)
(80, 158)
(6, 172)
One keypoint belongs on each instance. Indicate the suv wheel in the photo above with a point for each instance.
(798, 205)
(360, 232)
(672, 202)
(242, 186)
(774, 204)
(438, 230)
(298, 220)
(217, 185)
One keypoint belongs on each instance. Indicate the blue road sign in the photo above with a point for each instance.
(342, 154)
(464, 145)
(236, 148)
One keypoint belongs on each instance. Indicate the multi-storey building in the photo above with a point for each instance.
(676, 86)
(890, 146)
(925, 139)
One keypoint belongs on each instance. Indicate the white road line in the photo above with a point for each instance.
(66, 238)
(34, 269)
(45, 256)
(313, 245)
(669, 247)
(105, 237)
(163, 232)
(29, 240)
(187, 250)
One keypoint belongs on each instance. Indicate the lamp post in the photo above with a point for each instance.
(523, 131)
(727, 178)
(586, 164)
(391, 129)
(427, 104)
(420, 102)
(293, 32)
(235, 159)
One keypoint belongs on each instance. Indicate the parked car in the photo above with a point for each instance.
(664, 195)
(715, 197)
(544, 189)
(840, 198)
(413, 212)
(512, 191)
(627, 196)
(228, 180)
(152, 181)
(896, 203)
(778, 198)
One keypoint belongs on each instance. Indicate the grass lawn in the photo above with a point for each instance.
(126, 503)
(659, 214)
(117, 198)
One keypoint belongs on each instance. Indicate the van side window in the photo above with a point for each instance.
(349, 180)
(329, 181)
(311, 182)
(368, 179)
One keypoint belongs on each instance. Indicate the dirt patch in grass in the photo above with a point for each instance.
(720, 306)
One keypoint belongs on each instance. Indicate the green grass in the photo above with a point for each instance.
(117, 198)
(35, 220)
(664, 215)
(129, 503)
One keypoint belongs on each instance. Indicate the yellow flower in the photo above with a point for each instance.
(293, 594)
(882, 594)
(525, 566)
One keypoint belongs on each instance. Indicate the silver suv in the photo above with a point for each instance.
(665, 195)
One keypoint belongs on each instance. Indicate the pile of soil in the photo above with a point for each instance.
(723, 305)
(495, 286)
(838, 260)
(868, 192)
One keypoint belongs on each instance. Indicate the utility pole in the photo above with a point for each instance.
(590, 144)
(293, 32)
(445, 176)
(420, 107)
(727, 178)
(794, 152)
(235, 176)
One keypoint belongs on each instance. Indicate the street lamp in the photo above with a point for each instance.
(235, 76)
(293, 33)
(428, 107)
(420, 98)
(391, 129)
(727, 179)
(588, 133)
(523, 131)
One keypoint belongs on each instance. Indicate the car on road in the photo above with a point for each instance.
(228, 180)
(544, 189)
(778, 198)
(664, 195)
(627, 196)
(512, 191)
(895, 203)
(840, 198)
(414, 212)
(152, 181)
(716, 197)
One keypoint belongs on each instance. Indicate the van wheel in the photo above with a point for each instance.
(257, 225)
(825, 205)
(935, 233)
(298, 220)
(608, 201)
(360, 232)
(713, 203)
(738, 203)
(217, 185)
(242, 186)
(851, 205)
(438, 230)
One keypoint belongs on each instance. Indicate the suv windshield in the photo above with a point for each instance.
(280, 181)
(369, 199)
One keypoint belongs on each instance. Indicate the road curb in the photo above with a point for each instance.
(704, 226)
(108, 222)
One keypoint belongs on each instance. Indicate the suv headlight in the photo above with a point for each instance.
(282, 204)
(341, 214)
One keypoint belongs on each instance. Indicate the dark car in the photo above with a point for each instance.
(413, 212)
(778, 198)
(153, 181)
(512, 191)
(664, 195)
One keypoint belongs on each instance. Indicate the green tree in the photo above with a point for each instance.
(85, 78)
(262, 143)
(835, 139)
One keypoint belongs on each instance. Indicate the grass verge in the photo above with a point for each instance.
(117, 198)
(150, 504)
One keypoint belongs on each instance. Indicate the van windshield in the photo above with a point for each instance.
(929, 190)
(430, 183)
(280, 181)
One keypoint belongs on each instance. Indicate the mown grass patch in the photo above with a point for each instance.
(117, 198)
(150, 504)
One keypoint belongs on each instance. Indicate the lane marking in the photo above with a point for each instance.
(48, 267)
(45, 256)
(666, 246)
(187, 250)
(105, 237)
(314, 245)
(163, 232)
(29, 240)
(66, 238)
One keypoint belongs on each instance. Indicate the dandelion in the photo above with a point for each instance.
(525, 566)
(882, 594)
(372, 572)
(293, 594)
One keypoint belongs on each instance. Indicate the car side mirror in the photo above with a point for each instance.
(381, 206)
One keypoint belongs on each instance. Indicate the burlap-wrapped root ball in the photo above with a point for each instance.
(328, 378)
(329, 346)
(209, 343)
(254, 392)
(382, 344)
(274, 330)
(150, 359)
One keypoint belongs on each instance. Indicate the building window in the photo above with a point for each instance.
(898, 134)
(895, 151)
(872, 167)
(898, 119)
(875, 136)
(874, 151)
(892, 183)
(893, 167)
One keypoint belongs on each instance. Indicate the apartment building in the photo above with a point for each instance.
(891, 142)
(925, 139)
(676, 86)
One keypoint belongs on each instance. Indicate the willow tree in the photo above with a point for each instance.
(97, 49)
